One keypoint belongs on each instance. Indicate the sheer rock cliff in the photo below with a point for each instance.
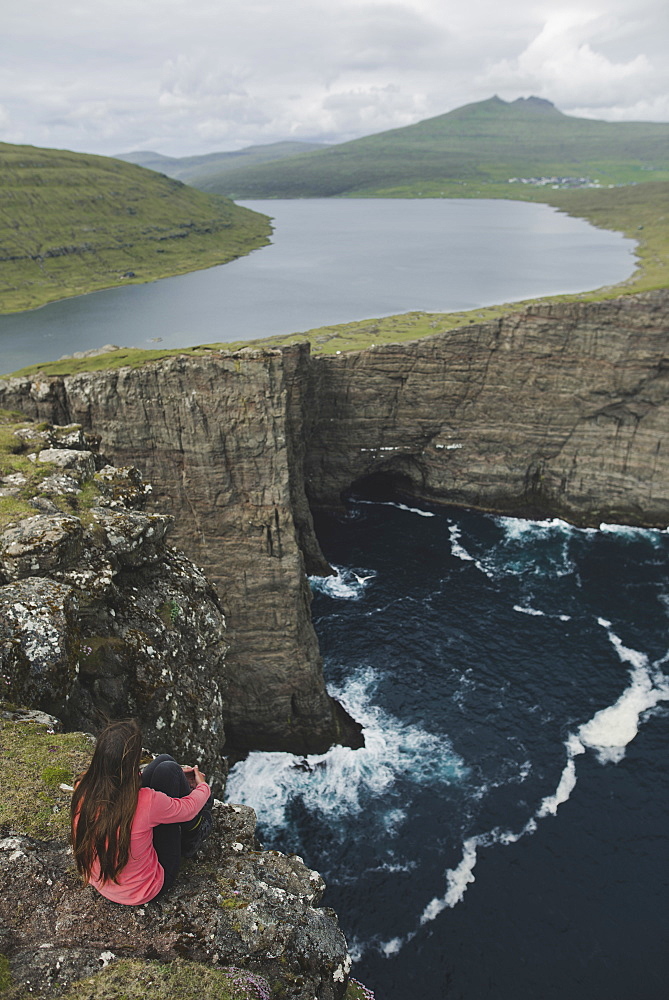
(559, 409)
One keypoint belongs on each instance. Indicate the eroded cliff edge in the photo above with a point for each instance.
(560, 409)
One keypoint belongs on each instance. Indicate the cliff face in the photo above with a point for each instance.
(558, 410)
(221, 441)
(561, 409)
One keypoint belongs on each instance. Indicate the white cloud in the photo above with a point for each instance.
(560, 63)
(188, 76)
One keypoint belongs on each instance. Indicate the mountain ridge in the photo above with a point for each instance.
(483, 143)
(72, 223)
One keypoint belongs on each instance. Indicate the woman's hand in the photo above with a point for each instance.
(194, 775)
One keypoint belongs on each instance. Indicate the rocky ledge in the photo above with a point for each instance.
(235, 906)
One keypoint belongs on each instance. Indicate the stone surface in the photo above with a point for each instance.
(79, 462)
(101, 619)
(236, 905)
(39, 642)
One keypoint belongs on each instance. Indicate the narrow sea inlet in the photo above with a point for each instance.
(334, 261)
(503, 833)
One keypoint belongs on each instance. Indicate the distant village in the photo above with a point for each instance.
(559, 182)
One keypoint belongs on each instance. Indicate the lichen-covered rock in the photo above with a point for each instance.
(39, 642)
(39, 545)
(107, 620)
(238, 905)
(80, 462)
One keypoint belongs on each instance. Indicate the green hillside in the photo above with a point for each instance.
(71, 223)
(457, 153)
(197, 169)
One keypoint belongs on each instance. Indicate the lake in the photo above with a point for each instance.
(334, 261)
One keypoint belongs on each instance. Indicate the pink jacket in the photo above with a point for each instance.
(142, 878)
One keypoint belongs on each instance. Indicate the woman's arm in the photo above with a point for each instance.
(165, 809)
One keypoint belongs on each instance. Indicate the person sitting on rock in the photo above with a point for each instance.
(130, 829)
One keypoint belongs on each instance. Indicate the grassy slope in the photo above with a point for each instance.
(193, 169)
(483, 143)
(71, 223)
(640, 211)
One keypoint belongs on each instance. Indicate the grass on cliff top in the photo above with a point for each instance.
(15, 458)
(639, 211)
(71, 223)
(133, 979)
(34, 763)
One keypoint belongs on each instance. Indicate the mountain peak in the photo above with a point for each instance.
(535, 104)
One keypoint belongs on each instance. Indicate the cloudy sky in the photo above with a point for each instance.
(194, 76)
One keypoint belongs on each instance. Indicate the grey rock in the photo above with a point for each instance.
(236, 905)
(40, 544)
(39, 643)
(108, 621)
(81, 462)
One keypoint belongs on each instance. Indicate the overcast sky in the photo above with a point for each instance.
(194, 76)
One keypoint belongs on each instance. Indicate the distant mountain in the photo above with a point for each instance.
(72, 222)
(489, 142)
(197, 170)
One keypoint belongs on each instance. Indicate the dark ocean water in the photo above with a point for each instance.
(504, 832)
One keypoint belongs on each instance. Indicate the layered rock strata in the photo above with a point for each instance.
(561, 409)
(221, 441)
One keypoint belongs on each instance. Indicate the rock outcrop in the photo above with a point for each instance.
(99, 617)
(234, 905)
(561, 409)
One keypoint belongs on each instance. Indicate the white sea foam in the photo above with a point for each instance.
(457, 548)
(392, 947)
(525, 610)
(611, 729)
(633, 533)
(608, 733)
(399, 506)
(344, 781)
(348, 583)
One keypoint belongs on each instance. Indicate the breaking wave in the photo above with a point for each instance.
(343, 782)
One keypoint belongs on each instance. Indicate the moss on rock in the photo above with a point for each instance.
(128, 979)
(35, 760)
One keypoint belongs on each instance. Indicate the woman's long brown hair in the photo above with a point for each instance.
(105, 800)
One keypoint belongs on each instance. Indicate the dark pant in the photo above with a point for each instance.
(165, 775)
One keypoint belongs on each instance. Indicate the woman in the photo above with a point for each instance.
(129, 830)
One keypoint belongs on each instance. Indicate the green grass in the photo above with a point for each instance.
(484, 143)
(136, 980)
(15, 458)
(133, 979)
(71, 223)
(34, 762)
